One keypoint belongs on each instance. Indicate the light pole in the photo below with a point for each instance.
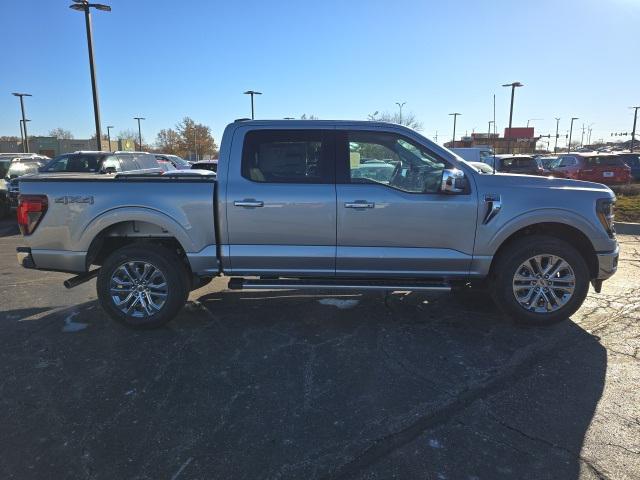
(589, 130)
(570, 133)
(455, 117)
(25, 143)
(489, 142)
(533, 119)
(195, 140)
(139, 131)
(400, 105)
(85, 6)
(252, 93)
(22, 122)
(513, 86)
(633, 132)
(109, 127)
(555, 148)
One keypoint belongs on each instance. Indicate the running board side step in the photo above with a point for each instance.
(341, 284)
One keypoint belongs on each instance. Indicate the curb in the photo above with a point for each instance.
(627, 228)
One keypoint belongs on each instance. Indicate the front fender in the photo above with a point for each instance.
(491, 236)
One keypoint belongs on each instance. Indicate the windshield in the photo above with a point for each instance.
(18, 169)
(178, 160)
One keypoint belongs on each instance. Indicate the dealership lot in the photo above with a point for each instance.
(308, 384)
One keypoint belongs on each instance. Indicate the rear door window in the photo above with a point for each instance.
(288, 156)
(127, 162)
(111, 162)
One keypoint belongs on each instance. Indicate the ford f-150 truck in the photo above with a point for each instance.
(297, 204)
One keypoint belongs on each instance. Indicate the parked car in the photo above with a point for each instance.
(91, 162)
(482, 167)
(285, 212)
(19, 168)
(177, 162)
(523, 164)
(633, 162)
(609, 169)
(211, 165)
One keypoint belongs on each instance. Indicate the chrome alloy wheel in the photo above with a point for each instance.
(138, 289)
(544, 283)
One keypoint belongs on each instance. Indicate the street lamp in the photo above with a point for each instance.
(489, 132)
(22, 122)
(139, 131)
(570, 133)
(633, 132)
(252, 93)
(400, 105)
(455, 117)
(513, 86)
(555, 148)
(109, 127)
(25, 143)
(85, 6)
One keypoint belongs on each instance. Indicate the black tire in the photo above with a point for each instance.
(514, 256)
(171, 267)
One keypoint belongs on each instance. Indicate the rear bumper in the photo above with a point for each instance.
(24, 257)
(53, 260)
(607, 263)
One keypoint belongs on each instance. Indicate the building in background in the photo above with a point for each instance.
(523, 140)
(52, 146)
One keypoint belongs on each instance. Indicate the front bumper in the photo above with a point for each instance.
(607, 263)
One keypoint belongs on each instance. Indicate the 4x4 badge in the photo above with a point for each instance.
(67, 199)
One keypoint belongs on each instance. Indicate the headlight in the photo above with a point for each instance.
(605, 212)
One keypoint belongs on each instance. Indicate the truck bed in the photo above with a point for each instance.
(84, 209)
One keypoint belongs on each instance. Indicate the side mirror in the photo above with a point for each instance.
(453, 181)
(109, 170)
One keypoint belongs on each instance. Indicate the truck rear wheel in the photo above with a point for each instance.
(540, 280)
(142, 287)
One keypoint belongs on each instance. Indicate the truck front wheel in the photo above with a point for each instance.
(142, 287)
(540, 280)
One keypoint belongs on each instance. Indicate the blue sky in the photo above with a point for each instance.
(164, 60)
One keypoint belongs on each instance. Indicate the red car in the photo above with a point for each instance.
(592, 167)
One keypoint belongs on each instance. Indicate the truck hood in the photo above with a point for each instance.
(536, 182)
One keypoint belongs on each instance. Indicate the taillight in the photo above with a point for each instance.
(31, 209)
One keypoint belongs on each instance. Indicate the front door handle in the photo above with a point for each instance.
(248, 203)
(359, 204)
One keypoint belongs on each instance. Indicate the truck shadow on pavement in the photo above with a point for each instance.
(301, 384)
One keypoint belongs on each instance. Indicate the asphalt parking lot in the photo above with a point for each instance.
(301, 384)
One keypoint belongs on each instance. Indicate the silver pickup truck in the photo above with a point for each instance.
(322, 204)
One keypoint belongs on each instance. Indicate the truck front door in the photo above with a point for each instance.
(392, 218)
(281, 203)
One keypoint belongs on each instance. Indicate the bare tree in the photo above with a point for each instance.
(168, 141)
(304, 116)
(408, 119)
(61, 134)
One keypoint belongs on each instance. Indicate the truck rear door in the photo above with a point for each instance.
(281, 203)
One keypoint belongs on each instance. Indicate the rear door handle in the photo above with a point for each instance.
(359, 204)
(248, 203)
